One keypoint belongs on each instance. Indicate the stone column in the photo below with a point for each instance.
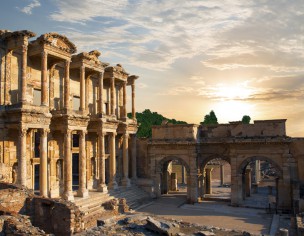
(257, 171)
(113, 96)
(208, 181)
(22, 168)
(133, 100)
(248, 182)
(67, 85)
(100, 94)
(183, 174)
(222, 174)
(24, 75)
(125, 159)
(124, 100)
(43, 183)
(68, 191)
(134, 161)
(82, 88)
(112, 183)
(102, 187)
(82, 191)
(44, 80)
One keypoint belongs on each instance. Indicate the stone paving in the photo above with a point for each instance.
(210, 213)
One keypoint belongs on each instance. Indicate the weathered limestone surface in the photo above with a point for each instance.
(54, 105)
(237, 144)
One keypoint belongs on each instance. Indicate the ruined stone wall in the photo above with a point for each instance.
(56, 216)
(262, 128)
(175, 132)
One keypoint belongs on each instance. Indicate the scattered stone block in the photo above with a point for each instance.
(163, 227)
(205, 233)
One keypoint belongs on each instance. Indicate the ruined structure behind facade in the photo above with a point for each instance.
(63, 117)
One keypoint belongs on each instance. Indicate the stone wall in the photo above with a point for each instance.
(260, 128)
(59, 217)
(175, 132)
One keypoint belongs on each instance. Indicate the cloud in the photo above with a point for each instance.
(152, 33)
(29, 8)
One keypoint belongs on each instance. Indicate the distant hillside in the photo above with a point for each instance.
(147, 118)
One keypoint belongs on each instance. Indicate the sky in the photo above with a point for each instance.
(235, 57)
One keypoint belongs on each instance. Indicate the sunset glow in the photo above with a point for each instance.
(233, 57)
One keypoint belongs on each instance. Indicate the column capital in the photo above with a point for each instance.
(24, 48)
(82, 132)
(44, 53)
(44, 131)
(101, 133)
(22, 132)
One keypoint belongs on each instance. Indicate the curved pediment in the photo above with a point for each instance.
(58, 41)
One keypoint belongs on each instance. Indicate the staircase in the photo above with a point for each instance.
(134, 196)
(92, 207)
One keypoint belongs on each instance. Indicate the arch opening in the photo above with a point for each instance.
(260, 178)
(215, 179)
(174, 176)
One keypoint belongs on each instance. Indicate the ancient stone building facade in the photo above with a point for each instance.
(240, 145)
(63, 117)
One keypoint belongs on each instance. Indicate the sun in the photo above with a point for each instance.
(237, 92)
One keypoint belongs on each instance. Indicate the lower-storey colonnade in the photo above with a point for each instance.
(58, 171)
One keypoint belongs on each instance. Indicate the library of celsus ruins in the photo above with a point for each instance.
(63, 117)
(67, 134)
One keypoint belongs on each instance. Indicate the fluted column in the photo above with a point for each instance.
(82, 88)
(67, 85)
(125, 160)
(112, 183)
(134, 165)
(24, 76)
(102, 169)
(133, 100)
(113, 96)
(125, 100)
(44, 79)
(82, 190)
(43, 184)
(22, 168)
(68, 191)
(100, 94)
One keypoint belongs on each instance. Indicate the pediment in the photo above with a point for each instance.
(58, 41)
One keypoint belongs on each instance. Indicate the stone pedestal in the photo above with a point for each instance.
(208, 181)
(174, 182)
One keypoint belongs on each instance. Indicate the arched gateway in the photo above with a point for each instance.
(260, 155)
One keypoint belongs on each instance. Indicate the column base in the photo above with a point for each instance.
(134, 180)
(68, 196)
(102, 188)
(82, 193)
(112, 185)
(126, 182)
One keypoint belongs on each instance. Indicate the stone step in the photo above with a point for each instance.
(92, 202)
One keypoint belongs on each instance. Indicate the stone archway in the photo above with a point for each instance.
(162, 177)
(213, 167)
(248, 171)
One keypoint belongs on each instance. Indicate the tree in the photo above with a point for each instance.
(246, 119)
(210, 118)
